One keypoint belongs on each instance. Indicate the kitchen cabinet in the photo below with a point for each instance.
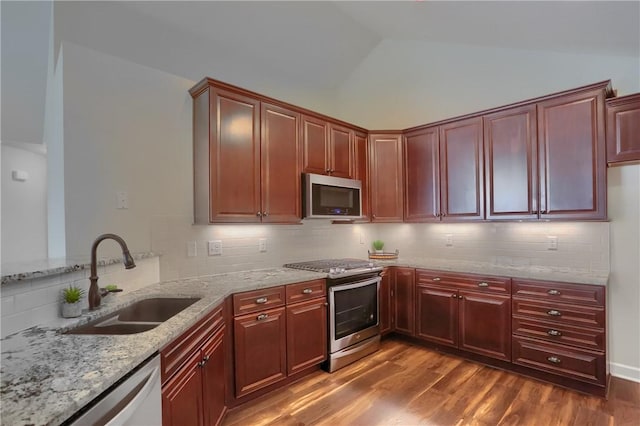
(246, 158)
(467, 312)
(385, 178)
(384, 302)
(361, 147)
(511, 163)
(194, 376)
(560, 329)
(306, 334)
(422, 175)
(327, 147)
(623, 129)
(340, 151)
(403, 296)
(571, 152)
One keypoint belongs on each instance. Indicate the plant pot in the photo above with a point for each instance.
(71, 310)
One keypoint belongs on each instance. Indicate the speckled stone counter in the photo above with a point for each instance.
(526, 272)
(47, 376)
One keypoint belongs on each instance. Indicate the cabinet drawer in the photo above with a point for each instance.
(498, 285)
(176, 353)
(579, 294)
(560, 313)
(559, 333)
(580, 364)
(258, 300)
(305, 291)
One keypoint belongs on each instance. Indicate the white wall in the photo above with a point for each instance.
(24, 204)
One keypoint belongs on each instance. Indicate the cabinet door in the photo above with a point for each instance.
(461, 189)
(306, 334)
(437, 315)
(361, 169)
(511, 164)
(384, 302)
(341, 151)
(623, 129)
(260, 350)
(422, 176)
(182, 402)
(485, 324)
(280, 165)
(214, 378)
(386, 178)
(403, 298)
(234, 163)
(315, 145)
(572, 157)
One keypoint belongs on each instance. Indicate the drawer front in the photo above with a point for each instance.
(579, 294)
(176, 353)
(560, 333)
(498, 285)
(258, 300)
(580, 364)
(560, 313)
(307, 290)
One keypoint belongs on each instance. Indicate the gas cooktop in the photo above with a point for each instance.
(337, 267)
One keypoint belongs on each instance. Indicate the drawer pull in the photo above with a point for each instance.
(307, 291)
(554, 359)
(454, 295)
(201, 364)
(554, 313)
(205, 358)
(261, 300)
(554, 333)
(262, 317)
(483, 284)
(435, 279)
(553, 292)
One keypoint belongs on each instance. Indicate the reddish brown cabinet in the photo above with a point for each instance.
(327, 148)
(384, 302)
(437, 314)
(182, 400)
(361, 148)
(403, 300)
(341, 151)
(571, 151)
(623, 129)
(385, 177)
(511, 163)
(422, 175)
(306, 334)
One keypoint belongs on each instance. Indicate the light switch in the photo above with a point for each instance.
(552, 242)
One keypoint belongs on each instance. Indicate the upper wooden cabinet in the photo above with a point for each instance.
(623, 129)
(361, 148)
(327, 148)
(385, 160)
(422, 175)
(571, 146)
(511, 163)
(461, 171)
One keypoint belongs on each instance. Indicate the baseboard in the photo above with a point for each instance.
(624, 372)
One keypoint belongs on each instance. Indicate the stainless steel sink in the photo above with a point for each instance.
(136, 318)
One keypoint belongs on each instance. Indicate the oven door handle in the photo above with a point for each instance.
(364, 283)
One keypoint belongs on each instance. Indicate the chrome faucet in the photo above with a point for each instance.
(94, 292)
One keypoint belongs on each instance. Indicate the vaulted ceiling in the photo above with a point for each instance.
(302, 45)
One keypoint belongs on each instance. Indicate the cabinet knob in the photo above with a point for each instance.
(265, 214)
(553, 332)
(262, 317)
(543, 211)
(554, 360)
(460, 297)
(328, 171)
(205, 358)
(554, 313)
(261, 300)
(307, 291)
(373, 216)
(553, 292)
(259, 214)
(454, 295)
(435, 279)
(483, 284)
(201, 364)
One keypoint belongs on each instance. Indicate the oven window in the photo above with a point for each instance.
(355, 309)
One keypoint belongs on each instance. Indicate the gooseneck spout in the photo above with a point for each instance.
(94, 292)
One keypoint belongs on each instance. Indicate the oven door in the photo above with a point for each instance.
(353, 313)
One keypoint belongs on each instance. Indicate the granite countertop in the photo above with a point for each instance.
(18, 271)
(47, 376)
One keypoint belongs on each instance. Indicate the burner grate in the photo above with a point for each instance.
(324, 265)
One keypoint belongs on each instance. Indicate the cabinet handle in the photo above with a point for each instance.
(454, 295)
(553, 292)
(262, 317)
(205, 358)
(554, 359)
(483, 284)
(325, 304)
(435, 279)
(307, 291)
(201, 364)
(543, 211)
(265, 214)
(259, 214)
(460, 297)
(261, 300)
(328, 171)
(373, 216)
(553, 332)
(554, 313)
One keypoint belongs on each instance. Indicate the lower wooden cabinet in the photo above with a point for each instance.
(306, 334)
(402, 296)
(437, 315)
(384, 302)
(485, 324)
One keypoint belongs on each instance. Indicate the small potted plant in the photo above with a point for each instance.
(71, 306)
(378, 245)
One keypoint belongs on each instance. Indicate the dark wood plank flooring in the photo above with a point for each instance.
(404, 384)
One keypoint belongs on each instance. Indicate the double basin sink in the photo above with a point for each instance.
(140, 316)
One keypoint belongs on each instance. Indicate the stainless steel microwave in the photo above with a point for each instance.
(328, 197)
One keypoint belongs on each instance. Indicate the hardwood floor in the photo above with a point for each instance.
(403, 384)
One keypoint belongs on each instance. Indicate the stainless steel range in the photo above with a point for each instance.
(353, 286)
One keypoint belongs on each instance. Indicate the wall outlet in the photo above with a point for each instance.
(122, 200)
(192, 250)
(215, 247)
(449, 240)
(552, 242)
(262, 245)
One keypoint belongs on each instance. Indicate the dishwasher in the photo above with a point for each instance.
(135, 401)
